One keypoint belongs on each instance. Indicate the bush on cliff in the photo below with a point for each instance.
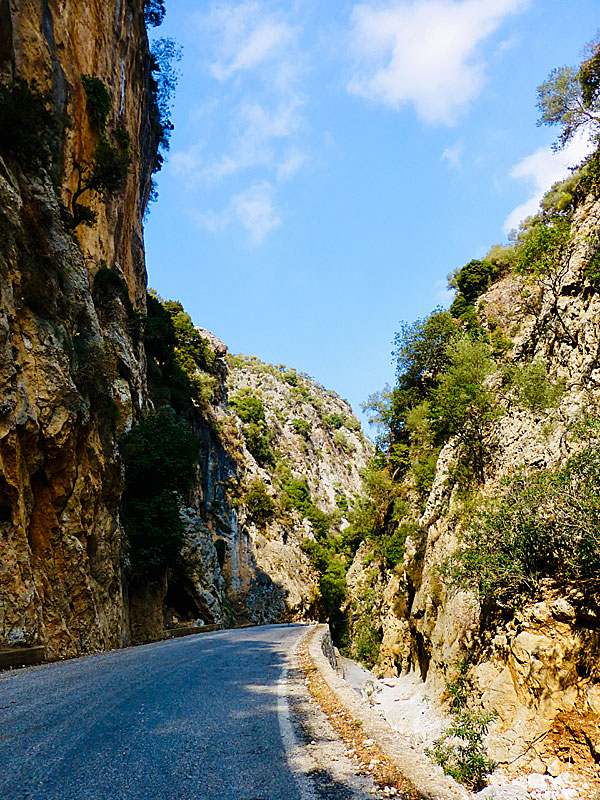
(159, 456)
(27, 123)
(543, 525)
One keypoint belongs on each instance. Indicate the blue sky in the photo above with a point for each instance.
(332, 162)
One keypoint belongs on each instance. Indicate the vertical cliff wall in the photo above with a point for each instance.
(534, 664)
(72, 372)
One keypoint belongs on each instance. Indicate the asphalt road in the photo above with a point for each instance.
(186, 719)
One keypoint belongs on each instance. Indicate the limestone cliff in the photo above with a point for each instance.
(72, 372)
(307, 435)
(537, 669)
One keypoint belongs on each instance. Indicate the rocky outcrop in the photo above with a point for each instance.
(72, 375)
(537, 672)
(313, 436)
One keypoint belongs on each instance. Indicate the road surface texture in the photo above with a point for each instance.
(221, 716)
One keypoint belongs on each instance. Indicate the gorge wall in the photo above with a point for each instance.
(72, 372)
(80, 133)
(532, 662)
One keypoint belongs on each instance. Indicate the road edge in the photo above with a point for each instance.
(428, 778)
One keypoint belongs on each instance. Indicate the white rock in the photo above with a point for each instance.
(569, 794)
(535, 781)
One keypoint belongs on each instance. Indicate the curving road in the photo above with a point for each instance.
(197, 718)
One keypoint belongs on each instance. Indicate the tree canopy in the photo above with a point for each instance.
(570, 98)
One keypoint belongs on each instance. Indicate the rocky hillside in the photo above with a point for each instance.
(145, 478)
(280, 467)
(493, 477)
(78, 142)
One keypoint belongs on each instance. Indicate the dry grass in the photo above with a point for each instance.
(369, 758)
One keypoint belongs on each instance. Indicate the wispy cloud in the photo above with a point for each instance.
(247, 37)
(425, 53)
(257, 136)
(540, 170)
(255, 210)
(252, 208)
(452, 155)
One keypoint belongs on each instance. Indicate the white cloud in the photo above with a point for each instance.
(292, 162)
(252, 208)
(541, 169)
(187, 163)
(425, 52)
(244, 36)
(453, 154)
(255, 133)
(255, 210)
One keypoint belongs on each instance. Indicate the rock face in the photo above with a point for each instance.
(313, 436)
(538, 673)
(72, 375)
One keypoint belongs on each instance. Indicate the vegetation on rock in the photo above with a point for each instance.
(159, 456)
(28, 126)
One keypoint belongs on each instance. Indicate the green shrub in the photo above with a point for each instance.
(182, 369)
(543, 245)
(258, 442)
(334, 421)
(248, 407)
(302, 427)
(296, 494)
(110, 165)
(332, 576)
(159, 456)
(343, 442)
(461, 752)
(319, 520)
(105, 175)
(169, 384)
(391, 545)
(332, 586)
(290, 377)
(367, 641)
(98, 100)
(318, 554)
(341, 502)
(259, 503)
(27, 123)
(542, 525)
(462, 406)
(192, 350)
(472, 281)
(531, 384)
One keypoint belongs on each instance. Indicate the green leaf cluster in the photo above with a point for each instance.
(259, 503)
(28, 126)
(250, 410)
(544, 524)
(472, 281)
(98, 100)
(107, 172)
(532, 386)
(461, 751)
(302, 427)
(159, 456)
(296, 494)
(570, 98)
